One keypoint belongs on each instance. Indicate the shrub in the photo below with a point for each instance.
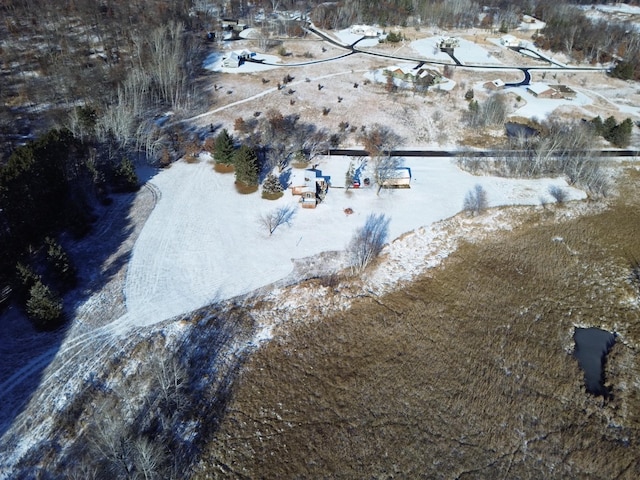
(559, 194)
(272, 185)
(125, 177)
(394, 37)
(44, 307)
(61, 265)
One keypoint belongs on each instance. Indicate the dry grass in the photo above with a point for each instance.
(245, 189)
(466, 373)
(223, 168)
(272, 196)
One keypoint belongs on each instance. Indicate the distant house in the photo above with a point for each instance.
(530, 24)
(421, 76)
(509, 41)
(541, 90)
(237, 58)
(564, 91)
(494, 85)
(365, 30)
(448, 44)
(399, 178)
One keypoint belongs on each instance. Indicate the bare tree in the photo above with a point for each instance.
(273, 219)
(379, 141)
(475, 202)
(368, 241)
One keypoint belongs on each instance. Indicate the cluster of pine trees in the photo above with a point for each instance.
(47, 187)
(619, 134)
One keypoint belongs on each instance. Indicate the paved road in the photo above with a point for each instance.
(350, 152)
(553, 66)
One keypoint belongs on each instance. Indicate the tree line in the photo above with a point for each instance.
(47, 187)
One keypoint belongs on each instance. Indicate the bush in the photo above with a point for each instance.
(368, 241)
(125, 177)
(44, 307)
(61, 265)
(271, 186)
(475, 202)
(394, 37)
(559, 194)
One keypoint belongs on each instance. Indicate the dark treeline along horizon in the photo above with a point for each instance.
(83, 83)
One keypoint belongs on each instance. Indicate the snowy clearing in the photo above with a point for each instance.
(203, 241)
(214, 63)
(466, 52)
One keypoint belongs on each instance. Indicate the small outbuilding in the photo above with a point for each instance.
(509, 41)
(399, 178)
(365, 30)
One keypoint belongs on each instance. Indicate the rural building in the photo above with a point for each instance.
(236, 58)
(309, 200)
(448, 43)
(564, 92)
(399, 178)
(365, 30)
(421, 76)
(531, 24)
(542, 90)
(509, 41)
(312, 186)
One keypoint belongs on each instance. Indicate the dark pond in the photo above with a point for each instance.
(592, 347)
(515, 129)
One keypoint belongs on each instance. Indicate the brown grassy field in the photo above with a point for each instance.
(466, 373)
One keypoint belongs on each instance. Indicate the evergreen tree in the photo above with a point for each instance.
(272, 185)
(60, 263)
(598, 125)
(623, 70)
(44, 307)
(126, 179)
(223, 148)
(349, 177)
(621, 134)
(608, 127)
(246, 163)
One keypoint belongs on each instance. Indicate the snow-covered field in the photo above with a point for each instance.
(203, 242)
(467, 52)
(214, 63)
